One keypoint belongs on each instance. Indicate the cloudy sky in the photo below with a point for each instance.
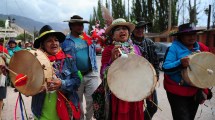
(60, 10)
(48, 10)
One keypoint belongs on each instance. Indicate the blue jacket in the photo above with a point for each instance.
(172, 65)
(68, 47)
(70, 84)
(11, 51)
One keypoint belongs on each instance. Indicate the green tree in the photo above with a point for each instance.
(24, 37)
(92, 21)
(2, 22)
(118, 9)
(175, 12)
(161, 16)
(107, 4)
(99, 14)
(192, 12)
(136, 10)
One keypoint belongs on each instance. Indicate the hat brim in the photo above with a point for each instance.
(186, 32)
(60, 36)
(77, 21)
(142, 24)
(127, 24)
(12, 42)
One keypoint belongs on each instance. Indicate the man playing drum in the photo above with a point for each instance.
(147, 49)
(183, 97)
(64, 85)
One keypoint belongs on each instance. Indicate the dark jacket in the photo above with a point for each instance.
(147, 48)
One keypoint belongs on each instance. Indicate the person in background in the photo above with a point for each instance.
(12, 47)
(84, 54)
(147, 49)
(28, 46)
(3, 77)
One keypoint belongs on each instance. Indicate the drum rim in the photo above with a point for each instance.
(185, 72)
(152, 88)
(30, 52)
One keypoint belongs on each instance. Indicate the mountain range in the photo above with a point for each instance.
(30, 25)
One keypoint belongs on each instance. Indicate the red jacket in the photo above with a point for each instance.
(3, 49)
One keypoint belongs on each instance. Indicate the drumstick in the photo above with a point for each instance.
(11, 70)
(122, 54)
(156, 105)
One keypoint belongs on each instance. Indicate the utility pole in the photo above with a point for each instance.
(24, 36)
(34, 34)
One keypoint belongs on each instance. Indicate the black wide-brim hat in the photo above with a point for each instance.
(12, 41)
(139, 22)
(46, 31)
(76, 19)
(187, 28)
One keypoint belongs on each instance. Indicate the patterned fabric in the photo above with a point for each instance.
(147, 48)
(100, 104)
(69, 78)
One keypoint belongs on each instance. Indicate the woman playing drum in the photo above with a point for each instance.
(119, 32)
(181, 95)
(62, 88)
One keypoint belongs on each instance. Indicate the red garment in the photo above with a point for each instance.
(177, 89)
(203, 47)
(62, 108)
(3, 49)
(62, 101)
(173, 87)
(122, 110)
(59, 56)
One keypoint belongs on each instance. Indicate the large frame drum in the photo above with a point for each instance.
(131, 79)
(201, 70)
(36, 65)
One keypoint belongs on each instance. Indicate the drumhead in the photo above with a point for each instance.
(132, 78)
(30, 63)
(201, 73)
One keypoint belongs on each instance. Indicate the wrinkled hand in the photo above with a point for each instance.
(185, 61)
(115, 53)
(3, 69)
(54, 84)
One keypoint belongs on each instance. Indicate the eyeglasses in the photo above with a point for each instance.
(121, 28)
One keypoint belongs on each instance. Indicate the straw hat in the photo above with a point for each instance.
(119, 22)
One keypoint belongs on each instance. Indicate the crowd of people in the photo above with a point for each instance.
(76, 73)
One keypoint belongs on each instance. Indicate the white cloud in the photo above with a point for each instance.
(60, 10)
(48, 10)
